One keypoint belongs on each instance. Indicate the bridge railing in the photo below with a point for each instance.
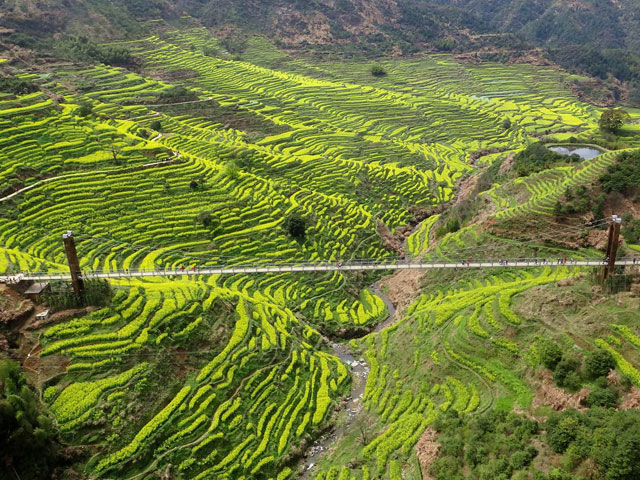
(299, 266)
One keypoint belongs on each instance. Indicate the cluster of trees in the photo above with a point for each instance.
(176, 94)
(570, 370)
(624, 175)
(494, 445)
(610, 439)
(82, 49)
(536, 157)
(631, 229)
(28, 439)
(623, 178)
(580, 200)
(499, 446)
(17, 86)
(60, 296)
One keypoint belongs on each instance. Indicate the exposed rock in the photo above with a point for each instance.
(402, 288)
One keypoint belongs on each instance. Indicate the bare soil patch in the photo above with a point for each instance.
(402, 288)
(427, 449)
(548, 394)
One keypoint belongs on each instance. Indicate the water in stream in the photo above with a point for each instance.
(359, 373)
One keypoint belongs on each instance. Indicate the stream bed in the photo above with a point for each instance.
(359, 372)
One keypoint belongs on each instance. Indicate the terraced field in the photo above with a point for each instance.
(233, 377)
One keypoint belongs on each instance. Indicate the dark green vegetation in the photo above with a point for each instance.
(282, 157)
(619, 182)
(17, 86)
(60, 295)
(82, 49)
(596, 38)
(536, 157)
(612, 120)
(596, 444)
(571, 369)
(28, 438)
(624, 176)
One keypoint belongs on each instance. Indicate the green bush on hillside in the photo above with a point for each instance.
(536, 157)
(631, 229)
(27, 433)
(598, 363)
(17, 86)
(550, 354)
(624, 175)
(378, 70)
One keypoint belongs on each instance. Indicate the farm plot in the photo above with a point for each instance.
(428, 362)
(246, 378)
(239, 402)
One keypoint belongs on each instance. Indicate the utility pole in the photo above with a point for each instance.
(74, 263)
(612, 246)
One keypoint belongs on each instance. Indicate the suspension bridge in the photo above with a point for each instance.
(230, 266)
(318, 267)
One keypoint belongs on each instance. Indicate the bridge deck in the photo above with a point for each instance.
(314, 267)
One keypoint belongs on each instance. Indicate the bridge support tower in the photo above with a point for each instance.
(74, 264)
(612, 246)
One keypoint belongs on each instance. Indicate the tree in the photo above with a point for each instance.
(84, 110)
(28, 445)
(378, 70)
(598, 363)
(156, 125)
(613, 119)
(566, 374)
(550, 354)
(506, 123)
(296, 226)
(602, 397)
(562, 429)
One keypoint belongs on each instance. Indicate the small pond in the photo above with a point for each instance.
(585, 152)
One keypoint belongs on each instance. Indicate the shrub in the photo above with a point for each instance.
(378, 70)
(204, 218)
(567, 373)
(536, 157)
(84, 110)
(550, 354)
(17, 86)
(602, 397)
(598, 363)
(296, 226)
(624, 175)
(176, 94)
(523, 458)
(562, 429)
